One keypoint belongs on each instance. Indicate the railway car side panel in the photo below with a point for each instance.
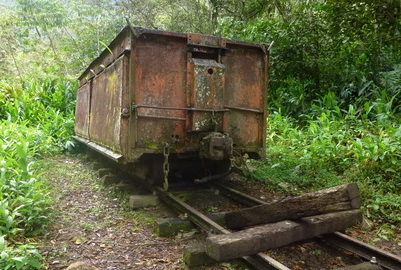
(82, 111)
(106, 106)
(159, 81)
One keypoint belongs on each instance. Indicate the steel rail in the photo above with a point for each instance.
(384, 259)
(237, 195)
(259, 261)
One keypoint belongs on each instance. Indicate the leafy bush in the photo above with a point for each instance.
(47, 104)
(36, 118)
(331, 146)
(24, 206)
(20, 190)
(23, 257)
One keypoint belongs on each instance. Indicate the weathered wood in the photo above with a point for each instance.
(261, 238)
(339, 198)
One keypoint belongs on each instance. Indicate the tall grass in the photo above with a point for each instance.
(36, 119)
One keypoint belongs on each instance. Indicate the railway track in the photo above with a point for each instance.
(385, 259)
(262, 261)
(259, 261)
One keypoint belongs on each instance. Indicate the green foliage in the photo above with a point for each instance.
(47, 104)
(335, 146)
(36, 118)
(23, 257)
(24, 204)
(349, 48)
(54, 38)
(334, 89)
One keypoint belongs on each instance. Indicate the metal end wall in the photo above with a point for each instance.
(153, 87)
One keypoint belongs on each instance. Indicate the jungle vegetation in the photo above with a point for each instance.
(334, 100)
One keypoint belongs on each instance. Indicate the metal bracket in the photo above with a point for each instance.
(125, 113)
(166, 165)
(216, 146)
(206, 41)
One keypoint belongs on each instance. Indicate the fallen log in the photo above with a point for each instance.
(335, 199)
(261, 238)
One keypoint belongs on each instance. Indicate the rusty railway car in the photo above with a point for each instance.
(174, 104)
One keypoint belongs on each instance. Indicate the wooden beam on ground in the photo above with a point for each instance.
(335, 199)
(261, 238)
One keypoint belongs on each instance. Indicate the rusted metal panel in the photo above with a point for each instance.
(245, 95)
(159, 80)
(207, 41)
(82, 111)
(207, 93)
(152, 87)
(196, 38)
(245, 74)
(165, 97)
(126, 101)
(106, 106)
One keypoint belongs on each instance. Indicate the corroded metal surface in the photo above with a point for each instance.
(152, 87)
(159, 82)
(106, 106)
(216, 146)
(82, 111)
(245, 95)
(207, 93)
(208, 41)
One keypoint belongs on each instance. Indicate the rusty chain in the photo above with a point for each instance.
(214, 121)
(166, 165)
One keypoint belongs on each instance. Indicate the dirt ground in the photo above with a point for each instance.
(94, 224)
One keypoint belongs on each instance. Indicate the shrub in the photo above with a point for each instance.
(36, 119)
(45, 104)
(332, 146)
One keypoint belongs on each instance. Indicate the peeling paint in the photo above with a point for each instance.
(188, 86)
